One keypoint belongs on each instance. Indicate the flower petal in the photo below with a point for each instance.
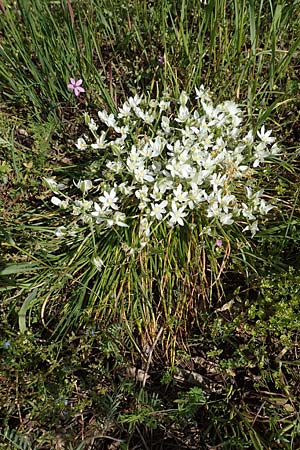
(70, 86)
(72, 81)
(78, 83)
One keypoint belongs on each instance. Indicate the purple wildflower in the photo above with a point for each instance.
(219, 242)
(161, 60)
(76, 86)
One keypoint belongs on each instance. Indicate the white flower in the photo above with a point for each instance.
(134, 154)
(149, 118)
(117, 219)
(183, 99)
(177, 169)
(81, 206)
(275, 150)
(196, 196)
(226, 219)
(214, 210)
(134, 101)
(92, 125)
(231, 108)
(142, 194)
(125, 189)
(99, 213)
(144, 230)
(197, 155)
(209, 111)
(217, 179)
(260, 153)
(98, 263)
(109, 199)
(207, 142)
(158, 209)
(200, 177)
(183, 156)
(265, 136)
(174, 150)
(247, 212)
(61, 231)
(156, 167)
(124, 111)
(142, 174)
(225, 201)
(209, 164)
(249, 192)
(115, 166)
(177, 214)
(179, 195)
(100, 142)
(84, 185)
(146, 150)
(202, 94)
(163, 105)
(157, 146)
(165, 124)
(81, 144)
(264, 208)
(253, 228)
(132, 164)
(183, 114)
(163, 185)
(249, 138)
(139, 113)
(152, 149)
(53, 185)
(157, 192)
(61, 203)
(109, 120)
(220, 145)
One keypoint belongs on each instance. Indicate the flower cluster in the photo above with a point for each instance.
(165, 160)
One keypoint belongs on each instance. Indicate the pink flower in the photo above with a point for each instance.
(75, 86)
(219, 243)
(161, 60)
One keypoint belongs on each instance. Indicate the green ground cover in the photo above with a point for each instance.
(184, 335)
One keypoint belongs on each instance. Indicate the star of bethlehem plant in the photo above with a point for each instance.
(166, 161)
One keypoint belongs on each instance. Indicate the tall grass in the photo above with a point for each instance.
(252, 43)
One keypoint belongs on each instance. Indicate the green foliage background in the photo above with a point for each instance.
(221, 353)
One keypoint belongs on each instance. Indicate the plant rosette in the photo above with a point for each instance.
(166, 161)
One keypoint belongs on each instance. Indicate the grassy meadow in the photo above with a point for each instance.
(138, 311)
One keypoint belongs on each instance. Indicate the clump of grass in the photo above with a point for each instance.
(147, 272)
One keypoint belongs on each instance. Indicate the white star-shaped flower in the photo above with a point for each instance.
(109, 199)
(158, 209)
(177, 214)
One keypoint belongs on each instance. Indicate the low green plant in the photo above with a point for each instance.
(172, 185)
(14, 441)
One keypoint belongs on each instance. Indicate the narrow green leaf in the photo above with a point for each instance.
(24, 308)
(12, 269)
